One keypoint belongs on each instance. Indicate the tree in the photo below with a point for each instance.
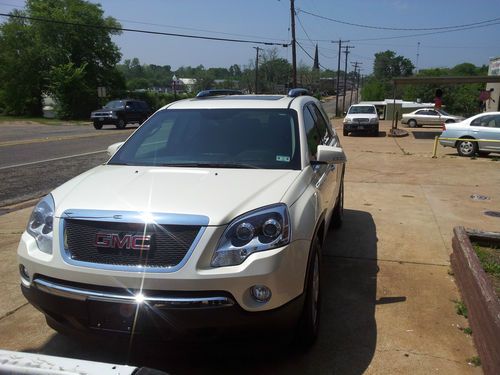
(57, 51)
(387, 65)
(457, 99)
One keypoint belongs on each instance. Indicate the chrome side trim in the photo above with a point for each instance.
(82, 294)
(131, 217)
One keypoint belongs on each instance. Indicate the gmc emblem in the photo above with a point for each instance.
(127, 241)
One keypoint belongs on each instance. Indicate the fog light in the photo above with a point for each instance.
(24, 273)
(260, 293)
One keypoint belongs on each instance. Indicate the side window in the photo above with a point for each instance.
(420, 113)
(433, 113)
(496, 124)
(481, 121)
(313, 139)
(321, 124)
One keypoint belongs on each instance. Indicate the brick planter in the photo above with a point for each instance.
(479, 296)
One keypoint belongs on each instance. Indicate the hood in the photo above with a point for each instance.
(220, 194)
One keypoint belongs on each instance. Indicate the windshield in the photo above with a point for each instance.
(115, 104)
(362, 109)
(224, 138)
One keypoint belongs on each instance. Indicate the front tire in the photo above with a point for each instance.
(467, 148)
(375, 131)
(307, 330)
(97, 125)
(121, 124)
(346, 133)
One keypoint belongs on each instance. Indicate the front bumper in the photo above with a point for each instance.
(360, 127)
(105, 120)
(90, 310)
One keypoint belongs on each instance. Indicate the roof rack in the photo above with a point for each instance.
(218, 92)
(298, 92)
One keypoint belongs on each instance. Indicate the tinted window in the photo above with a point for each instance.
(115, 104)
(261, 138)
(433, 113)
(421, 112)
(313, 138)
(362, 109)
(482, 121)
(321, 124)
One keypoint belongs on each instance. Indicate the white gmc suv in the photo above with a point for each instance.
(210, 217)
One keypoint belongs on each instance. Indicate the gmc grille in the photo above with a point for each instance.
(169, 244)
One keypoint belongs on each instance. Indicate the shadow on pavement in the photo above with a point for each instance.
(360, 134)
(348, 330)
(426, 134)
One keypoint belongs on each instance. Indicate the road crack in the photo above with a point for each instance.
(9, 313)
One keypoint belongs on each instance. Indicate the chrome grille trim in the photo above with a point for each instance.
(130, 217)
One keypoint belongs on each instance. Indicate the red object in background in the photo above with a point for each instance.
(438, 102)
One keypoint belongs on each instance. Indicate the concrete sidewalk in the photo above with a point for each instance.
(387, 290)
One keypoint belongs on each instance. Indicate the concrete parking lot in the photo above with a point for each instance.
(388, 293)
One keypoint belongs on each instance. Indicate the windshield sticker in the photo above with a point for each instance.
(282, 158)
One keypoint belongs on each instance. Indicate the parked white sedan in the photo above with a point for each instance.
(429, 116)
(478, 134)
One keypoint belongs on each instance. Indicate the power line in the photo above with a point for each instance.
(307, 53)
(309, 38)
(425, 34)
(68, 23)
(398, 28)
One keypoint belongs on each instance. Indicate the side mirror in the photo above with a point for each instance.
(345, 113)
(113, 148)
(330, 155)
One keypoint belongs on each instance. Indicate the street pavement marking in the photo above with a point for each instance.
(61, 138)
(53, 159)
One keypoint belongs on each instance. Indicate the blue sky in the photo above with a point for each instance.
(269, 20)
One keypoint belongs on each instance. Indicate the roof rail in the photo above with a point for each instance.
(298, 92)
(218, 92)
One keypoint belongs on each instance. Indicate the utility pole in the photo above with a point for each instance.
(358, 78)
(355, 64)
(338, 76)
(345, 75)
(257, 49)
(418, 54)
(294, 50)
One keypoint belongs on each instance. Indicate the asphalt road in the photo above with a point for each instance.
(35, 159)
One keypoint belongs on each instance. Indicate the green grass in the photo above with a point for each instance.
(461, 309)
(41, 120)
(474, 361)
(467, 331)
(489, 257)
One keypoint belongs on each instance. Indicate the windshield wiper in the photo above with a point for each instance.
(210, 165)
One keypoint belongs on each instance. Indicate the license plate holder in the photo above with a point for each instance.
(115, 317)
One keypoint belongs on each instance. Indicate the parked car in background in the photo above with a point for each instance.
(484, 127)
(120, 113)
(429, 116)
(361, 118)
(210, 217)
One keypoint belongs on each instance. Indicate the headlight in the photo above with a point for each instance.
(373, 120)
(40, 224)
(347, 121)
(263, 229)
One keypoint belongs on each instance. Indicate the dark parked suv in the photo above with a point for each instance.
(120, 113)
